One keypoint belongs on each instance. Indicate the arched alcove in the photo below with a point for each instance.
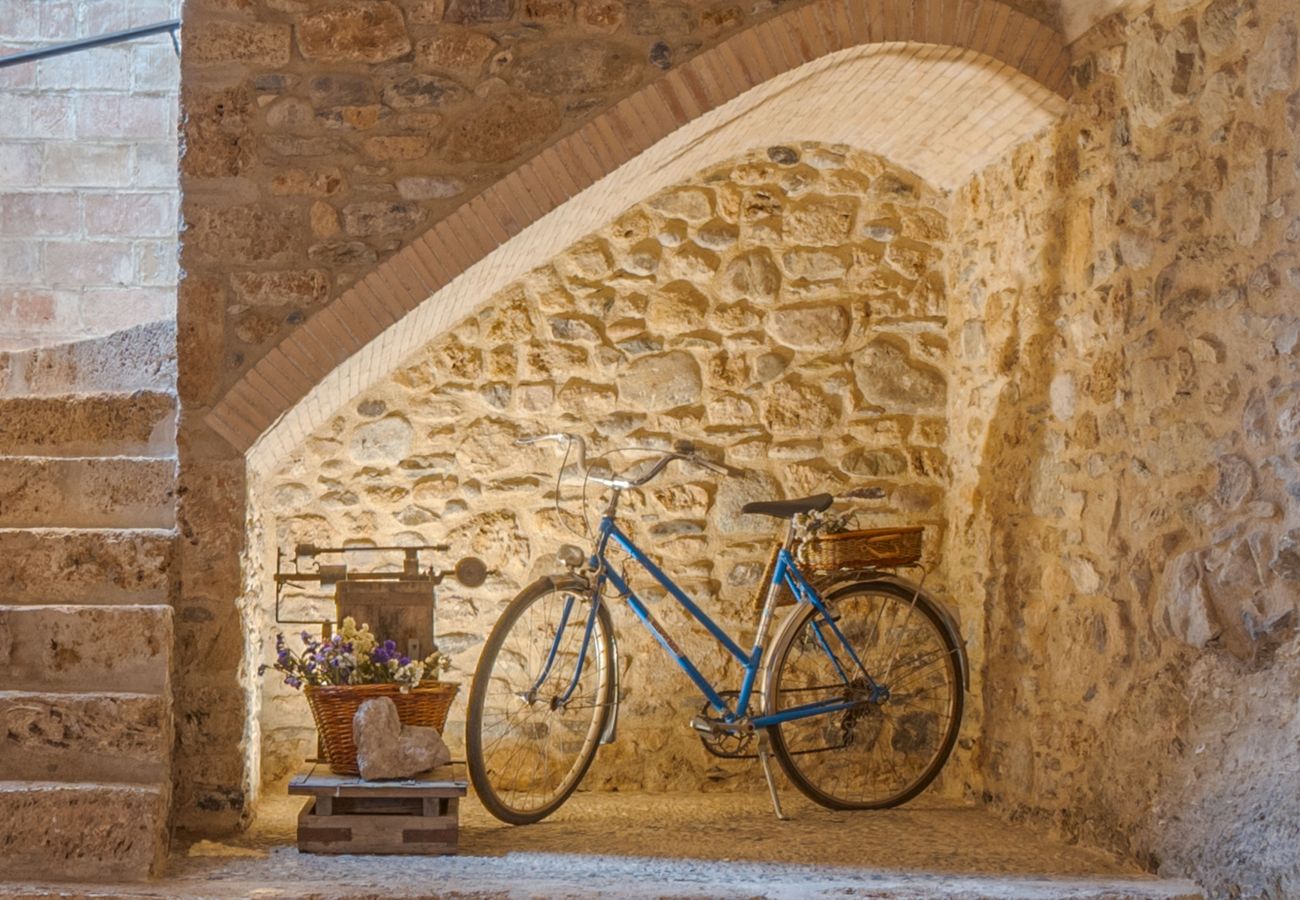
(785, 310)
(941, 94)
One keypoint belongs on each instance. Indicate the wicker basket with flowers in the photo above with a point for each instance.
(341, 672)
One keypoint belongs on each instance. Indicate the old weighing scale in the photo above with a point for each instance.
(398, 605)
(416, 815)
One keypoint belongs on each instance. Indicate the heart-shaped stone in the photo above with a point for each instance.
(387, 749)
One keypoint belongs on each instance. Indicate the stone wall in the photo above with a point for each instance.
(88, 182)
(1125, 318)
(785, 312)
(318, 138)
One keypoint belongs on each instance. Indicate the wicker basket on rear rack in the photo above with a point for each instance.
(826, 554)
(874, 548)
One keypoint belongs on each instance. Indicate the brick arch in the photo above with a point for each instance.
(942, 87)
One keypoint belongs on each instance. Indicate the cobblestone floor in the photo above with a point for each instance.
(675, 846)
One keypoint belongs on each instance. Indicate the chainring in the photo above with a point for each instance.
(727, 744)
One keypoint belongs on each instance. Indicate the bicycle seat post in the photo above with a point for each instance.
(773, 589)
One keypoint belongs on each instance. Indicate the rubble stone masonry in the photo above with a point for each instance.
(1124, 320)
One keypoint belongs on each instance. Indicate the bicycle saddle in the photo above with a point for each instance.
(785, 509)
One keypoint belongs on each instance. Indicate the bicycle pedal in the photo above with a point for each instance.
(706, 725)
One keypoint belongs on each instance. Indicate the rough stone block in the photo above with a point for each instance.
(105, 69)
(103, 165)
(111, 492)
(238, 42)
(138, 358)
(577, 67)
(76, 263)
(124, 116)
(139, 424)
(39, 213)
(85, 737)
(99, 567)
(473, 12)
(134, 215)
(366, 31)
(456, 50)
(503, 128)
(19, 164)
(83, 832)
(71, 648)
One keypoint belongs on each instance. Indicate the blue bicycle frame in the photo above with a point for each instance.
(843, 658)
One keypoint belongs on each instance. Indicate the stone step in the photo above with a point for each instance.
(87, 492)
(83, 832)
(134, 359)
(92, 566)
(83, 648)
(142, 423)
(47, 736)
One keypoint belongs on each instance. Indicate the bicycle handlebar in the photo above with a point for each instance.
(683, 450)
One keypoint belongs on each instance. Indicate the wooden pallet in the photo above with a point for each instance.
(417, 815)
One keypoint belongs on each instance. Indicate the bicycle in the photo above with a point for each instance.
(859, 698)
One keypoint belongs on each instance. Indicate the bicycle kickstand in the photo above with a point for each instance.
(765, 757)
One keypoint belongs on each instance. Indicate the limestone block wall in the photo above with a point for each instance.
(1124, 321)
(786, 312)
(88, 181)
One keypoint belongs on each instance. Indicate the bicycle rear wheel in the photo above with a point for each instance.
(526, 745)
(873, 755)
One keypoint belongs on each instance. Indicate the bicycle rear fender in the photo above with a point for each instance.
(824, 589)
(580, 584)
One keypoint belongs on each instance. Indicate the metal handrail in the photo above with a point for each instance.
(171, 26)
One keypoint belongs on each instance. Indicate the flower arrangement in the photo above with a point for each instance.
(352, 656)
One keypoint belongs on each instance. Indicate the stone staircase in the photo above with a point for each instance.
(87, 517)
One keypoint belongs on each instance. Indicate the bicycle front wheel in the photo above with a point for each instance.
(873, 755)
(541, 697)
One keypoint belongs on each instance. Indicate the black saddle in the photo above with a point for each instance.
(785, 509)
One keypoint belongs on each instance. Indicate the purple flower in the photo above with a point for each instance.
(404, 661)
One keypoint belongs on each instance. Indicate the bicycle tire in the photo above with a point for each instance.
(494, 768)
(928, 727)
